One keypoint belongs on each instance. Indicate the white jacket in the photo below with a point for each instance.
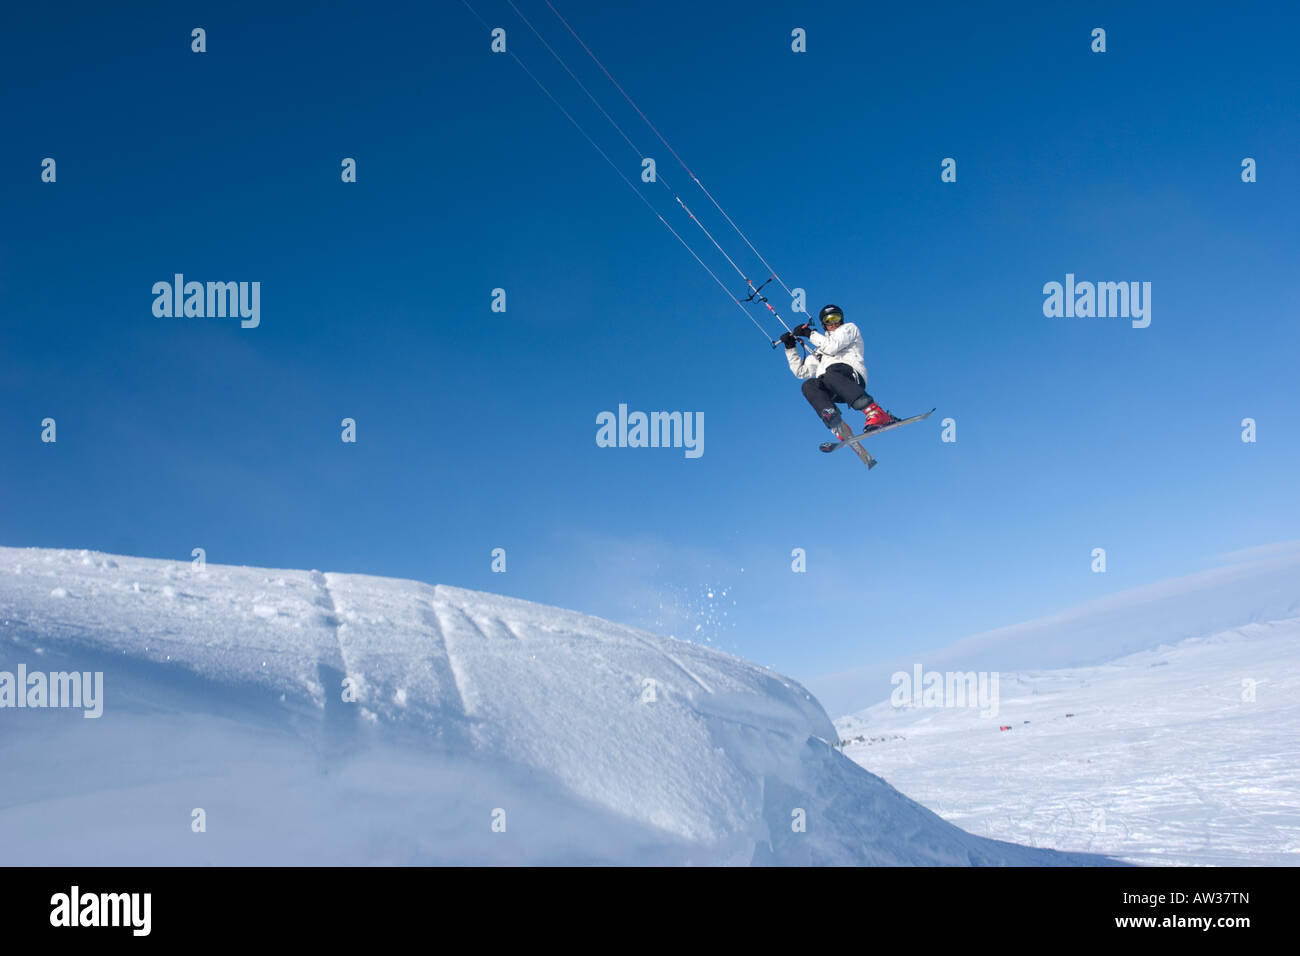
(843, 345)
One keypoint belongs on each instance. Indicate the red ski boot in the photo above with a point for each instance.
(876, 416)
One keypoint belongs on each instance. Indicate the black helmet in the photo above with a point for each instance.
(831, 315)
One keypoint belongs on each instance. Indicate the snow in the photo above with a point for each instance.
(267, 716)
(1183, 754)
(1253, 586)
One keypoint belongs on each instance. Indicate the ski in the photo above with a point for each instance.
(845, 434)
(854, 440)
(863, 454)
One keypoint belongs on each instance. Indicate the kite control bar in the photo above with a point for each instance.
(756, 292)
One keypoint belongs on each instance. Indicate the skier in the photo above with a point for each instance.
(834, 370)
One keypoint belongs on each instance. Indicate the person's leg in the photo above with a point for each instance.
(847, 386)
(850, 388)
(822, 399)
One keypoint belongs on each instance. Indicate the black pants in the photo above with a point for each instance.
(839, 383)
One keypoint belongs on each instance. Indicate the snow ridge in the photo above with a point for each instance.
(343, 718)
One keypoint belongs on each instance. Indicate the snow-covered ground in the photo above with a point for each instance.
(483, 729)
(1185, 754)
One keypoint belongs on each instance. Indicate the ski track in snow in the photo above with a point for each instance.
(679, 665)
(227, 689)
(1163, 761)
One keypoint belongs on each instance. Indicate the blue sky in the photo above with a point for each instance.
(477, 430)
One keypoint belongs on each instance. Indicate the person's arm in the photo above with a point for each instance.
(801, 367)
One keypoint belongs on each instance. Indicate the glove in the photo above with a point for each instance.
(802, 331)
(787, 340)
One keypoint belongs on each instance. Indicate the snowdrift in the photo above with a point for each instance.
(260, 716)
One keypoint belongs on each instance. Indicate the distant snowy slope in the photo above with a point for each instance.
(1264, 586)
(1260, 584)
(1186, 754)
(581, 740)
